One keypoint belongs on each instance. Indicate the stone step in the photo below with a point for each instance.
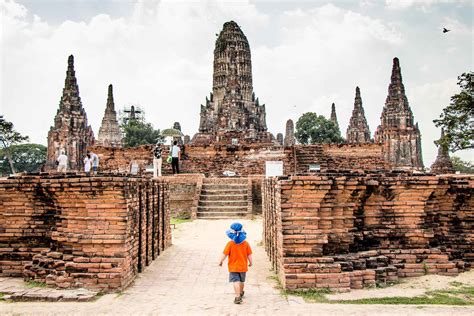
(242, 181)
(221, 215)
(223, 197)
(223, 186)
(224, 192)
(222, 209)
(211, 204)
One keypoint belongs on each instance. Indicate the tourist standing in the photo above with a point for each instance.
(157, 160)
(87, 164)
(62, 162)
(175, 156)
(95, 161)
(240, 258)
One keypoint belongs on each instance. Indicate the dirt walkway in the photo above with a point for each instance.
(186, 280)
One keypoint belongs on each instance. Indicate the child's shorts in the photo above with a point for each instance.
(237, 276)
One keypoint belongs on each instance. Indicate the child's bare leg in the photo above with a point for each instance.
(237, 286)
(242, 284)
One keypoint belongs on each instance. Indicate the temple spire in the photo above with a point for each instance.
(333, 115)
(110, 99)
(397, 132)
(443, 163)
(358, 130)
(71, 132)
(109, 132)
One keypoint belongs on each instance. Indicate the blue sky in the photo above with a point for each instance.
(305, 55)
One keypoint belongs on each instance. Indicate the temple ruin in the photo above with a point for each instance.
(110, 134)
(358, 130)
(333, 117)
(338, 216)
(71, 133)
(398, 134)
(442, 164)
(232, 110)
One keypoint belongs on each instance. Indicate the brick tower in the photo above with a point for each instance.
(399, 136)
(109, 132)
(358, 130)
(232, 108)
(71, 132)
(333, 115)
(442, 163)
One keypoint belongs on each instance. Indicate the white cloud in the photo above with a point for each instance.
(160, 57)
(403, 4)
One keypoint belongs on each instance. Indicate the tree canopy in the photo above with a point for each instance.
(25, 157)
(138, 133)
(462, 166)
(457, 119)
(312, 129)
(9, 137)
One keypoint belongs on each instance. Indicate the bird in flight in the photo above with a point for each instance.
(445, 30)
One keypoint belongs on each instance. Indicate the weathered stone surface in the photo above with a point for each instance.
(347, 230)
(358, 130)
(334, 116)
(77, 231)
(280, 139)
(109, 132)
(399, 136)
(443, 163)
(71, 132)
(289, 134)
(232, 106)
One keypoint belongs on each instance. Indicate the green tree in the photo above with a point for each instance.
(462, 166)
(9, 137)
(457, 118)
(25, 157)
(312, 129)
(139, 133)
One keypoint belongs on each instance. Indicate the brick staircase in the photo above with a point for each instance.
(306, 155)
(223, 198)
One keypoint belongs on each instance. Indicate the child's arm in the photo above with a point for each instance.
(250, 259)
(222, 259)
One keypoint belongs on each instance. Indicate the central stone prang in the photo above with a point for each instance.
(232, 110)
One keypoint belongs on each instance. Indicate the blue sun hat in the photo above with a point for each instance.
(236, 233)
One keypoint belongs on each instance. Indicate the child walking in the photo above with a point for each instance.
(240, 258)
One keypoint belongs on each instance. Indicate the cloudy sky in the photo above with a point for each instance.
(305, 55)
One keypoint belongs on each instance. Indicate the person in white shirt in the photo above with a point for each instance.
(87, 164)
(157, 160)
(175, 156)
(62, 162)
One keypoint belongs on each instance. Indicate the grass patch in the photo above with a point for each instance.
(1, 296)
(457, 296)
(456, 284)
(32, 284)
(177, 221)
(312, 295)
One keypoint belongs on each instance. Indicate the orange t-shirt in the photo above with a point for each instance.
(238, 256)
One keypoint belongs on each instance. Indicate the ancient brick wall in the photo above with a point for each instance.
(345, 231)
(184, 194)
(248, 159)
(77, 231)
(355, 156)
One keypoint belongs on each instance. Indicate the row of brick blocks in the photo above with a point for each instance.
(79, 231)
(343, 231)
(247, 159)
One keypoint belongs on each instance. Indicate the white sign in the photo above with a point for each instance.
(273, 168)
(134, 168)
